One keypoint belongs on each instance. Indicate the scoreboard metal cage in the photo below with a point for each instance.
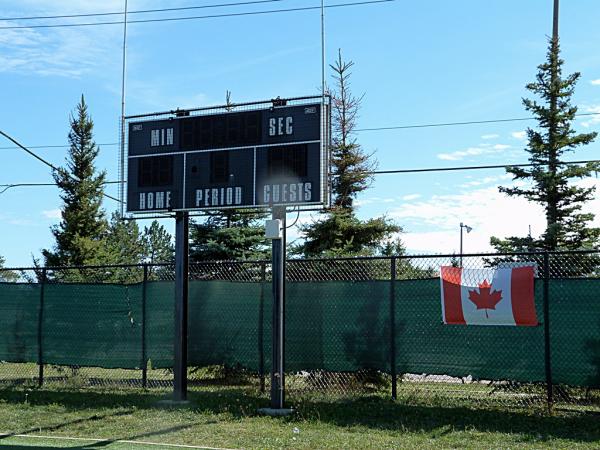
(236, 156)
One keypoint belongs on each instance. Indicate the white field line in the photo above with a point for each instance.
(119, 441)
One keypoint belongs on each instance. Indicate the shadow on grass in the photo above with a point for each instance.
(373, 412)
(385, 414)
(95, 444)
(59, 426)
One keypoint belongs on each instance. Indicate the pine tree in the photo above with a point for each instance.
(158, 244)
(80, 234)
(158, 249)
(341, 233)
(338, 232)
(567, 227)
(122, 245)
(124, 241)
(351, 165)
(229, 234)
(234, 236)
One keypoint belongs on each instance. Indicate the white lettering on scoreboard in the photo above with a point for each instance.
(161, 137)
(230, 196)
(155, 200)
(281, 126)
(287, 193)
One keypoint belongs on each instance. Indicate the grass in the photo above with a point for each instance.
(225, 416)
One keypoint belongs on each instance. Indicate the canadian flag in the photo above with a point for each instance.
(488, 296)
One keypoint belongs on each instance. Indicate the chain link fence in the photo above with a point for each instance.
(354, 326)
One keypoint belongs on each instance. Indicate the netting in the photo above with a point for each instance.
(349, 322)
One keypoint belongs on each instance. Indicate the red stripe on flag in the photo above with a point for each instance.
(522, 296)
(453, 312)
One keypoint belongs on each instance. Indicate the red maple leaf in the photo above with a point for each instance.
(484, 299)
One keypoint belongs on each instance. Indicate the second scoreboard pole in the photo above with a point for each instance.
(181, 305)
(278, 268)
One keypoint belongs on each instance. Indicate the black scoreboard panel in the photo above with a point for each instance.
(228, 160)
(221, 131)
(286, 174)
(153, 183)
(218, 179)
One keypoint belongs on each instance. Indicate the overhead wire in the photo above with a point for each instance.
(452, 124)
(47, 163)
(456, 168)
(212, 16)
(55, 146)
(141, 11)
(14, 185)
(385, 172)
(398, 127)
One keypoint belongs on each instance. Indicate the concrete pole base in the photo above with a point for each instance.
(173, 403)
(276, 412)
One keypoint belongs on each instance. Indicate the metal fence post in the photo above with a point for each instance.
(393, 326)
(40, 330)
(144, 358)
(547, 349)
(261, 322)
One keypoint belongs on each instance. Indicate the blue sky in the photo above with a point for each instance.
(416, 62)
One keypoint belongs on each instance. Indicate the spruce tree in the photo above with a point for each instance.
(81, 232)
(550, 178)
(338, 232)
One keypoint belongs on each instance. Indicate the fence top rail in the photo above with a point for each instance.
(304, 260)
(130, 266)
(448, 255)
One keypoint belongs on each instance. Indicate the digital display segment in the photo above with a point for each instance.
(221, 131)
(219, 167)
(286, 174)
(287, 161)
(157, 171)
(240, 159)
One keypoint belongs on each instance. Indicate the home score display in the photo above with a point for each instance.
(239, 159)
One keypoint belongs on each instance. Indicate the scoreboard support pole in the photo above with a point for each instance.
(181, 306)
(278, 360)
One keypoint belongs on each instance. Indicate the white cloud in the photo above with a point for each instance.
(293, 232)
(460, 154)
(483, 149)
(52, 214)
(595, 82)
(593, 120)
(374, 200)
(411, 197)
(485, 180)
(520, 135)
(65, 52)
(161, 94)
(490, 136)
(488, 211)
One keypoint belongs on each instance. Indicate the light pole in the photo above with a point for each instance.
(469, 229)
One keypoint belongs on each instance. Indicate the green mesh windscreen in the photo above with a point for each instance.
(330, 325)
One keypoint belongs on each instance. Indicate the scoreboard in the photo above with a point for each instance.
(274, 155)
